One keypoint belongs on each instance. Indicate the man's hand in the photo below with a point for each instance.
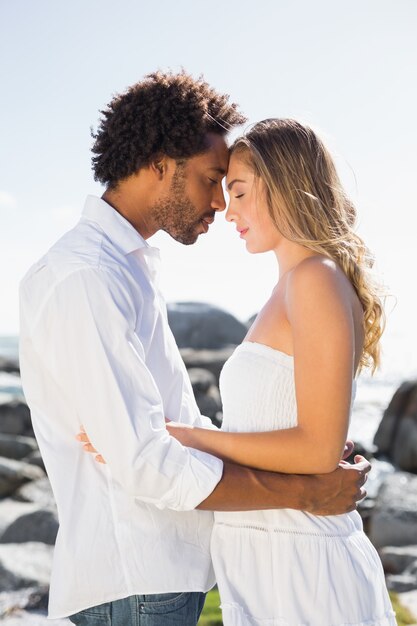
(339, 491)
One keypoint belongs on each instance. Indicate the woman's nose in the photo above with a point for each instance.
(230, 215)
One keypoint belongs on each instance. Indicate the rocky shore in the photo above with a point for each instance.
(206, 337)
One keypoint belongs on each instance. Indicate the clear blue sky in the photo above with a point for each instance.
(347, 67)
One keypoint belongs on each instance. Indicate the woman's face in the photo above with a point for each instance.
(248, 208)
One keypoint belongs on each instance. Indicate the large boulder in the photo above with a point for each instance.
(14, 416)
(13, 474)
(16, 446)
(395, 559)
(11, 510)
(28, 521)
(40, 525)
(203, 326)
(396, 437)
(210, 360)
(394, 519)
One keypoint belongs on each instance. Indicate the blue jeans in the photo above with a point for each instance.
(162, 609)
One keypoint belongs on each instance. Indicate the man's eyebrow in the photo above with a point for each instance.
(235, 180)
(219, 170)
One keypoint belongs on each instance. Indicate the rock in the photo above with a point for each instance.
(250, 321)
(39, 525)
(15, 417)
(8, 364)
(396, 437)
(29, 598)
(376, 477)
(15, 473)
(16, 447)
(25, 565)
(35, 458)
(32, 618)
(210, 405)
(204, 327)
(206, 393)
(401, 583)
(11, 383)
(395, 559)
(201, 379)
(394, 520)
(11, 510)
(406, 581)
(211, 360)
(37, 491)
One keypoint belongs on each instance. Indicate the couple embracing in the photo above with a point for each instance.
(138, 542)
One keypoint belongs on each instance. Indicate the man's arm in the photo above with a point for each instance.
(85, 336)
(245, 489)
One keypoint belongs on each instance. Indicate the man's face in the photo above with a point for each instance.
(195, 194)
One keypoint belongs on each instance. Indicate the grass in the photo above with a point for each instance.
(404, 616)
(211, 615)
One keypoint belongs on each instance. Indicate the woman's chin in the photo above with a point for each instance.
(252, 248)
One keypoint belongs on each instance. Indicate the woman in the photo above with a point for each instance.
(287, 390)
(292, 380)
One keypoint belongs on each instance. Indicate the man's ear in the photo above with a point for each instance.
(159, 166)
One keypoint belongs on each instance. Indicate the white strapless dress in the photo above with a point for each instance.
(286, 567)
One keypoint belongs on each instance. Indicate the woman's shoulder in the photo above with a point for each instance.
(317, 272)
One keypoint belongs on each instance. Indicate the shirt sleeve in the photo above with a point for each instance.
(205, 422)
(89, 344)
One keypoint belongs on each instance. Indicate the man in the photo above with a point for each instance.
(96, 350)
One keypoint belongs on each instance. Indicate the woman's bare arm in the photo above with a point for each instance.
(319, 310)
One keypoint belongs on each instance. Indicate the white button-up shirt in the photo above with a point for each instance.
(96, 350)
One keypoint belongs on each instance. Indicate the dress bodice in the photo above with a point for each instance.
(257, 386)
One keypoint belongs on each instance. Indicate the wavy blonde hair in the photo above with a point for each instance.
(309, 206)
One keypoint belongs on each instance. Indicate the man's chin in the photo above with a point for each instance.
(187, 239)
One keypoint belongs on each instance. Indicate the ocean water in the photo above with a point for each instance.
(372, 396)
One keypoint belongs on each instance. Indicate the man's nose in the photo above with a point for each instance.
(218, 202)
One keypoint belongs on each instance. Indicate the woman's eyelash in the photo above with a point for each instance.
(240, 195)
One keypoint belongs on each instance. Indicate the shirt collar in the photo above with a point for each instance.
(116, 227)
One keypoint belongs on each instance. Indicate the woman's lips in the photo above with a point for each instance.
(243, 232)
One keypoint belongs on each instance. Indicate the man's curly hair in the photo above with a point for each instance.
(164, 114)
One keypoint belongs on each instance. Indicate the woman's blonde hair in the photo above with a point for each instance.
(309, 206)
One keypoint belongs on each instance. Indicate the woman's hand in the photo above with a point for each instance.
(88, 447)
(181, 432)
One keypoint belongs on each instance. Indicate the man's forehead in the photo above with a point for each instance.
(216, 157)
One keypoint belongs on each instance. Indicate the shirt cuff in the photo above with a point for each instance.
(195, 482)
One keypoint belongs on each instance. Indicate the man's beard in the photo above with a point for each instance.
(176, 214)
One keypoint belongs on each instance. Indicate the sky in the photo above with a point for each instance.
(348, 68)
